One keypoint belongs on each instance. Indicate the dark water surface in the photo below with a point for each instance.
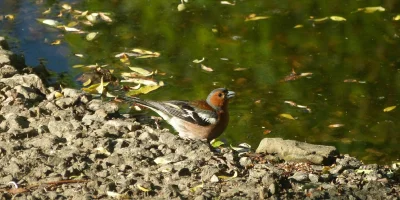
(355, 64)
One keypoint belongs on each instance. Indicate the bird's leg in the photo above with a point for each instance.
(156, 120)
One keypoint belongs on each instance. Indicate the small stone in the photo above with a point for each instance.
(299, 176)
(214, 179)
(272, 188)
(245, 161)
(313, 178)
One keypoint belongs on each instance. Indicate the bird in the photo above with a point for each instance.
(196, 120)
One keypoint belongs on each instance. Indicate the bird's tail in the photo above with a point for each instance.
(153, 105)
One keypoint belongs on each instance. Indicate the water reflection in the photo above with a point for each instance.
(354, 63)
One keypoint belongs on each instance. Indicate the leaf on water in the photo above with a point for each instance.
(100, 88)
(243, 147)
(145, 53)
(71, 29)
(78, 66)
(335, 125)
(56, 42)
(266, 132)
(205, 68)
(287, 116)
(388, 109)
(47, 11)
(139, 81)
(396, 18)
(299, 26)
(91, 36)
(216, 143)
(104, 17)
(239, 69)
(144, 89)
(79, 55)
(371, 9)
(66, 6)
(320, 19)
(227, 3)
(198, 61)
(92, 17)
(291, 103)
(254, 17)
(86, 83)
(162, 160)
(181, 7)
(337, 18)
(306, 74)
(72, 24)
(110, 95)
(49, 22)
(141, 71)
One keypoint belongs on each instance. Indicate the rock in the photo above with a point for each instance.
(300, 176)
(290, 150)
(313, 178)
(28, 80)
(245, 161)
(214, 179)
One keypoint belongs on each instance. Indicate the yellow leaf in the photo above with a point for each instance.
(141, 71)
(87, 82)
(10, 17)
(144, 90)
(371, 9)
(181, 7)
(58, 94)
(335, 125)
(338, 18)
(56, 42)
(320, 19)
(47, 11)
(143, 188)
(396, 18)
(91, 36)
(287, 116)
(253, 17)
(388, 109)
(205, 68)
(298, 26)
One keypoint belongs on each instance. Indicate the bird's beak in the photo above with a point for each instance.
(230, 94)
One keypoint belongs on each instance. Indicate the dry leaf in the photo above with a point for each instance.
(338, 18)
(335, 125)
(287, 116)
(254, 17)
(205, 68)
(396, 18)
(198, 61)
(91, 36)
(56, 42)
(299, 26)
(388, 109)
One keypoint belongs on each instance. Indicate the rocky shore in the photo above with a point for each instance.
(65, 144)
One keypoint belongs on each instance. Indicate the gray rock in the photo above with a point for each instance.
(313, 178)
(27, 80)
(291, 150)
(245, 161)
(299, 176)
(7, 71)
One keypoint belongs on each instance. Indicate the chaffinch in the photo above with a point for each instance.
(203, 119)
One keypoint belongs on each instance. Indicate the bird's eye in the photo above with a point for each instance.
(220, 95)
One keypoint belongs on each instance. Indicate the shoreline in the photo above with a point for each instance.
(66, 144)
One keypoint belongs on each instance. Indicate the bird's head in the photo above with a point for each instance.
(219, 98)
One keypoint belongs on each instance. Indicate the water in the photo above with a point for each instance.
(354, 63)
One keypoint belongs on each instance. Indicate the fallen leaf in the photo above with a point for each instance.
(46, 11)
(66, 6)
(199, 61)
(138, 80)
(141, 71)
(254, 17)
(104, 17)
(49, 22)
(320, 19)
(396, 18)
(91, 36)
(181, 7)
(335, 125)
(205, 68)
(227, 3)
(388, 109)
(162, 161)
(56, 42)
(216, 143)
(337, 18)
(371, 9)
(71, 29)
(287, 116)
(299, 26)
(266, 132)
(144, 89)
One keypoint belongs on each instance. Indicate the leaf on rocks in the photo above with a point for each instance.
(162, 160)
(216, 143)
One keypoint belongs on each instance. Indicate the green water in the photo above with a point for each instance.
(355, 64)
